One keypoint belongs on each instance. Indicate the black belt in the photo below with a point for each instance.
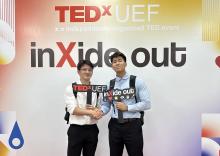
(125, 120)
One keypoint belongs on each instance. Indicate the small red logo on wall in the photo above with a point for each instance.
(217, 61)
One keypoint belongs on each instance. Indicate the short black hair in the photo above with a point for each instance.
(117, 54)
(83, 62)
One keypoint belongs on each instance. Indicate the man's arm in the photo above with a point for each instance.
(94, 113)
(143, 96)
(105, 105)
(73, 108)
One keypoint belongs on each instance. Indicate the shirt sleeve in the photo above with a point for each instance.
(70, 100)
(143, 97)
(99, 100)
(105, 105)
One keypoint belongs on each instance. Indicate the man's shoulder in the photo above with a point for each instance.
(137, 78)
(69, 87)
(139, 81)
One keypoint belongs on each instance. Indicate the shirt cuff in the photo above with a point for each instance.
(103, 110)
(131, 107)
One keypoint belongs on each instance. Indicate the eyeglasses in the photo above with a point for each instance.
(86, 69)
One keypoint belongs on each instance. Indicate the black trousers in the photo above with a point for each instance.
(82, 139)
(128, 134)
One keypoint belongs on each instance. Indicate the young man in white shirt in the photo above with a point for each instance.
(83, 130)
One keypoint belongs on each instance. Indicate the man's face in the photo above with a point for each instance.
(85, 72)
(118, 64)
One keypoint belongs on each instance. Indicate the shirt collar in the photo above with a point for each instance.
(126, 76)
(79, 82)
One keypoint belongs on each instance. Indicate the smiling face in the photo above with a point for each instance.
(118, 64)
(85, 72)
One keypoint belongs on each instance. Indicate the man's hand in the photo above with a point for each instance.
(96, 113)
(121, 106)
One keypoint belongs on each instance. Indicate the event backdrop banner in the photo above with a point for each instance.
(173, 45)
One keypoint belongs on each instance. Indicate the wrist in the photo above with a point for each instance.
(126, 108)
(89, 112)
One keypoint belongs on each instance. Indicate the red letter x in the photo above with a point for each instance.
(106, 10)
(66, 54)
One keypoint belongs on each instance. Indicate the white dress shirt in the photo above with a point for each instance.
(72, 102)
